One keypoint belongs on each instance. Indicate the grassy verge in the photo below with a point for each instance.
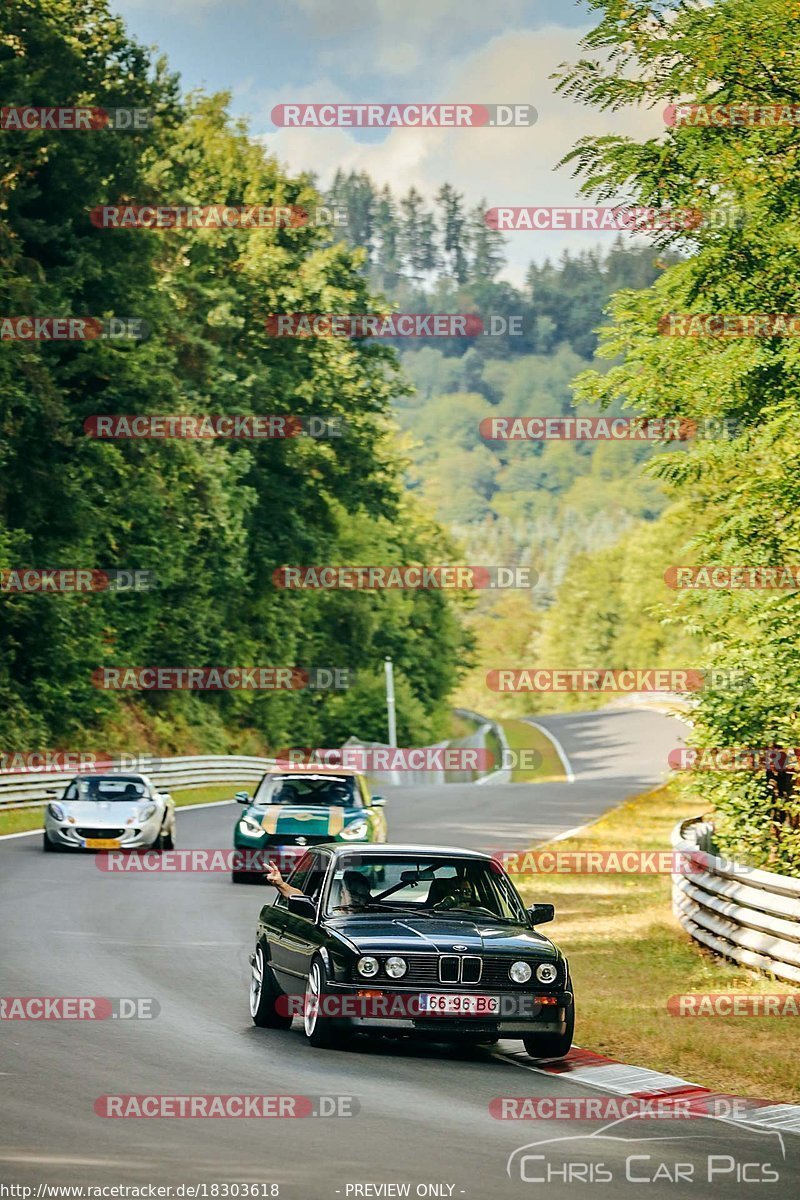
(24, 819)
(522, 736)
(628, 955)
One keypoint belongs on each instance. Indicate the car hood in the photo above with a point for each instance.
(373, 934)
(101, 812)
(313, 820)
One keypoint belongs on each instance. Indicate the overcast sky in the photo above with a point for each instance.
(268, 52)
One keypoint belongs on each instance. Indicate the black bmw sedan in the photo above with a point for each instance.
(416, 941)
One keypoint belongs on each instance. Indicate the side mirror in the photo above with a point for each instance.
(378, 802)
(302, 906)
(242, 797)
(539, 914)
(51, 791)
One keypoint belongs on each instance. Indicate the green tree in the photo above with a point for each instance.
(742, 177)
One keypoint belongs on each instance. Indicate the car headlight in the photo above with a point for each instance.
(367, 966)
(251, 827)
(546, 973)
(359, 829)
(147, 811)
(395, 967)
(520, 972)
(56, 811)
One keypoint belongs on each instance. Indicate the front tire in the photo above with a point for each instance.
(168, 837)
(264, 994)
(325, 1033)
(48, 846)
(552, 1045)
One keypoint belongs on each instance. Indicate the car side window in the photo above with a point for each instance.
(316, 877)
(297, 878)
(71, 793)
(302, 871)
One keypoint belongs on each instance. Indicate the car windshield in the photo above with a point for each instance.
(330, 791)
(458, 888)
(106, 787)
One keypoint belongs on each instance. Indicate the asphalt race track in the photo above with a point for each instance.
(71, 929)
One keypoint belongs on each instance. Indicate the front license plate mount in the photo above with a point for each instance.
(448, 1004)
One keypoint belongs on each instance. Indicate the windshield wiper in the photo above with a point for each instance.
(474, 912)
(369, 907)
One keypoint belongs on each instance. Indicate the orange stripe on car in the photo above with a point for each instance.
(335, 821)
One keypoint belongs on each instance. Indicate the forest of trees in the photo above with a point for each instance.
(733, 500)
(211, 519)
(413, 480)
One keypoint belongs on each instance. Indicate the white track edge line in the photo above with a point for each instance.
(559, 749)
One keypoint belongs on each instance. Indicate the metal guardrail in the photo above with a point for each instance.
(748, 915)
(408, 778)
(30, 790)
(502, 774)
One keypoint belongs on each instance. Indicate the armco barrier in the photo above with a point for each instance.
(474, 740)
(748, 915)
(503, 773)
(30, 789)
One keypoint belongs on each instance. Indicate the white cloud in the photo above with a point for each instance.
(504, 166)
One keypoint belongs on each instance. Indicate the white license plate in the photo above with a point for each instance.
(447, 1004)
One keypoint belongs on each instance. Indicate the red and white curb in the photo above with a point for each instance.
(595, 1070)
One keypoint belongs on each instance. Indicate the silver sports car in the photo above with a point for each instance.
(110, 812)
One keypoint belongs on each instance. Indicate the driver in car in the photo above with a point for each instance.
(451, 893)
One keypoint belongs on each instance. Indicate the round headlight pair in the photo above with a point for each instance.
(521, 972)
(395, 967)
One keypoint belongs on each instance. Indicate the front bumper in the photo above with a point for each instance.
(130, 837)
(520, 1014)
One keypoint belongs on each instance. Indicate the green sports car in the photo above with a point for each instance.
(292, 810)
